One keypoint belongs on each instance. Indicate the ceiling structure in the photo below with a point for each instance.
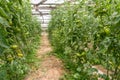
(42, 8)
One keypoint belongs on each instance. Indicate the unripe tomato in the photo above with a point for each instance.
(9, 58)
(98, 35)
(18, 51)
(14, 46)
(10, 23)
(27, 33)
(107, 30)
(18, 29)
(20, 55)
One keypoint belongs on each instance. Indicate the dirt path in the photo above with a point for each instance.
(50, 67)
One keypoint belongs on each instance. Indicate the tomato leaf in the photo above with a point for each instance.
(4, 22)
(3, 13)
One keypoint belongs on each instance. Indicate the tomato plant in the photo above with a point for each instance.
(86, 34)
(19, 31)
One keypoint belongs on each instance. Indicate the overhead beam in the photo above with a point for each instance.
(41, 14)
(51, 4)
(46, 7)
(41, 2)
(47, 4)
(36, 5)
(71, 1)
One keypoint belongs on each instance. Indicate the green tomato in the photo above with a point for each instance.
(107, 30)
(20, 55)
(14, 46)
(10, 22)
(10, 59)
(98, 35)
(17, 29)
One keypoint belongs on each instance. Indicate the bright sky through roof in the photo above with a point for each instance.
(48, 1)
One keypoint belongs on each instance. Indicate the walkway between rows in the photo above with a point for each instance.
(51, 68)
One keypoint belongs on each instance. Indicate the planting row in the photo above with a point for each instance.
(87, 34)
(19, 36)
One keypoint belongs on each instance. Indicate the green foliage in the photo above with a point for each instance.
(19, 38)
(87, 34)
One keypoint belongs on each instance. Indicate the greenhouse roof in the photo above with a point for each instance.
(42, 8)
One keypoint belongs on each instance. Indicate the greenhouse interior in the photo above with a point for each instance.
(59, 39)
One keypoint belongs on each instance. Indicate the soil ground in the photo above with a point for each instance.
(51, 68)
